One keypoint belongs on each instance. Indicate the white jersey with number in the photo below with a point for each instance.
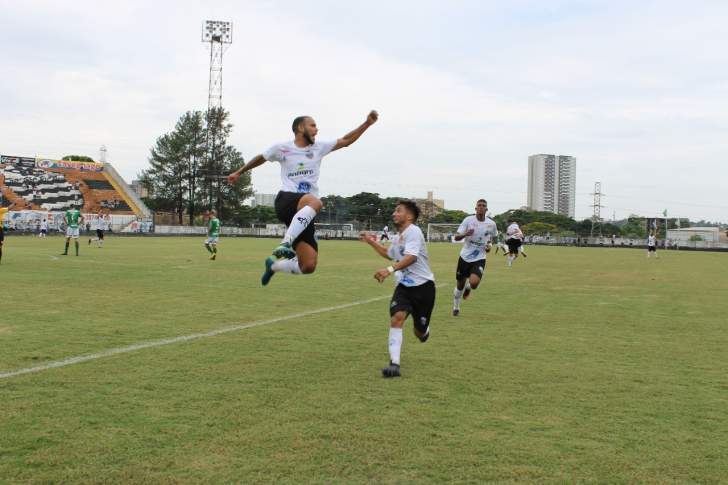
(411, 241)
(300, 167)
(514, 232)
(483, 233)
(101, 224)
(44, 225)
(651, 240)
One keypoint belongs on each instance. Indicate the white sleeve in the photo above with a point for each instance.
(463, 227)
(273, 154)
(326, 147)
(412, 245)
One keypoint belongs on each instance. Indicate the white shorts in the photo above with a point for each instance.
(71, 232)
(212, 240)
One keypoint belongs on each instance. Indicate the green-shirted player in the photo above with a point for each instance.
(73, 220)
(213, 232)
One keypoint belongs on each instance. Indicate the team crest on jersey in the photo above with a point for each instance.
(309, 154)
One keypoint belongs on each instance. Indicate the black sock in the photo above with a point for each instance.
(67, 243)
(76, 244)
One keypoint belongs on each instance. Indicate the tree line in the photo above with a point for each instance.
(188, 168)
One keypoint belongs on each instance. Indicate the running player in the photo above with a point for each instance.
(652, 245)
(297, 203)
(385, 234)
(478, 231)
(514, 240)
(213, 233)
(101, 226)
(415, 291)
(73, 219)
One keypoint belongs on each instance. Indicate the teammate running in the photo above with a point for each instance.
(415, 290)
(478, 231)
(652, 245)
(514, 240)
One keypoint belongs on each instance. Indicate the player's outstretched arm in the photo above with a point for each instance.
(354, 134)
(370, 240)
(256, 161)
(460, 237)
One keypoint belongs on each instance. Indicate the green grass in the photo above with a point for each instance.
(577, 364)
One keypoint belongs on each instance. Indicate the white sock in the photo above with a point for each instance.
(395, 344)
(458, 296)
(286, 266)
(299, 223)
(467, 285)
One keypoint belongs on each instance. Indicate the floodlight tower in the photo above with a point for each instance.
(217, 33)
(597, 205)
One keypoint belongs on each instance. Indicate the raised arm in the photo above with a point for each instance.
(354, 134)
(256, 161)
(380, 250)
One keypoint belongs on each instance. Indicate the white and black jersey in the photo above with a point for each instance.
(300, 167)
(474, 246)
(411, 242)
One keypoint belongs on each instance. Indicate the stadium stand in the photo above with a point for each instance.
(56, 186)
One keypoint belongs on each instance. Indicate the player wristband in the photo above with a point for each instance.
(390, 269)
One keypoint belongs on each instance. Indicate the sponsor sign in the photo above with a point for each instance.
(47, 163)
(12, 160)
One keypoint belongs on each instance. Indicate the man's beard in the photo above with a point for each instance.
(308, 138)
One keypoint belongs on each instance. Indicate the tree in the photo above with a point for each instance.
(77, 158)
(539, 229)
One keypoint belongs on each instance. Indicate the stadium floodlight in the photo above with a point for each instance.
(217, 31)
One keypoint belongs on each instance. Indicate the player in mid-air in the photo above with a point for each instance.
(213, 233)
(102, 225)
(297, 203)
(652, 245)
(74, 219)
(477, 231)
(514, 240)
(415, 291)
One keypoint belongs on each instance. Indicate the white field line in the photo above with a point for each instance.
(182, 338)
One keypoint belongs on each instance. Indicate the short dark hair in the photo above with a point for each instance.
(483, 201)
(410, 206)
(297, 122)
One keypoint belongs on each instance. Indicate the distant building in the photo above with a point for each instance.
(552, 184)
(430, 206)
(266, 200)
(709, 234)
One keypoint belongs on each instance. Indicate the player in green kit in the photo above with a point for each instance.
(213, 233)
(73, 220)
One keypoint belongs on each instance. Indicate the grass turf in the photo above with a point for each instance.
(577, 364)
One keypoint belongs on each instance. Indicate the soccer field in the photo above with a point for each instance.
(577, 364)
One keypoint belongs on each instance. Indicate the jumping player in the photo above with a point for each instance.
(297, 203)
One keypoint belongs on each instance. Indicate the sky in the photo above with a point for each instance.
(466, 91)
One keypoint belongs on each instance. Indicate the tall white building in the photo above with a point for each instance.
(552, 184)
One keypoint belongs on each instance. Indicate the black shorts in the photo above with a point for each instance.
(99, 233)
(465, 269)
(418, 301)
(513, 244)
(286, 205)
(651, 249)
(2, 235)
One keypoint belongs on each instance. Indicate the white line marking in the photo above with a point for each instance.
(183, 338)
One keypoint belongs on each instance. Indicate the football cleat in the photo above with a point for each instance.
(466, 293)
(455, 312)
(284, 250)
(268, 274)
(212, 258)
(392, 370)
(424, 338)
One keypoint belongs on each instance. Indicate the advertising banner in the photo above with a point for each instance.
(47, 163)
(12, 160)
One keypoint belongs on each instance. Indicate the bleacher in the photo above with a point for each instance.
(55, 187)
